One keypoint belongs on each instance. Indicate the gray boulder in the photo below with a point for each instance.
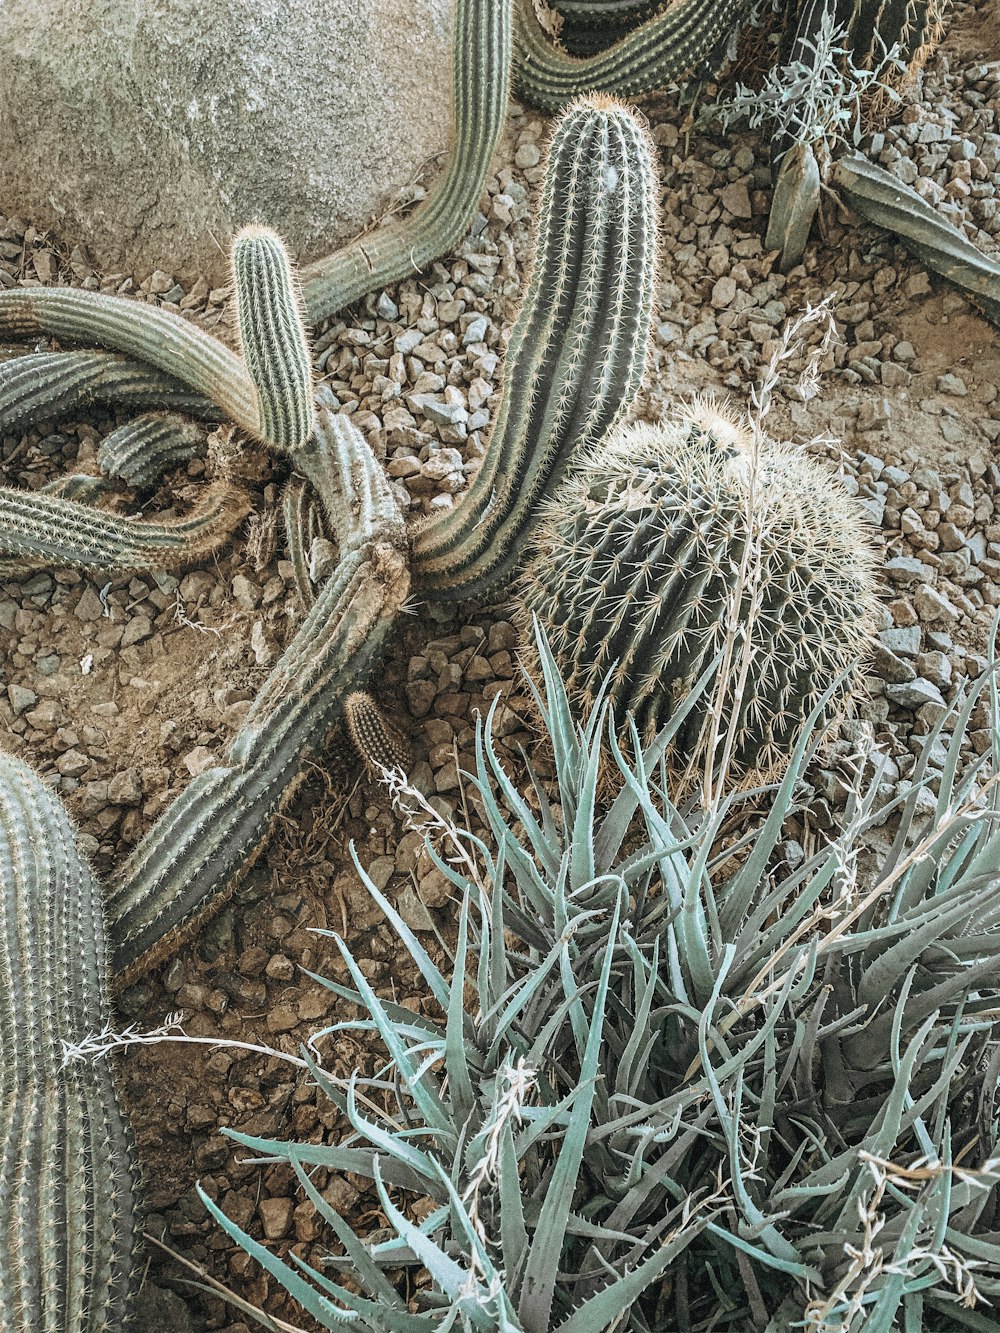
(151, 131)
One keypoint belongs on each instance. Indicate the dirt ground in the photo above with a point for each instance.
(137, 685)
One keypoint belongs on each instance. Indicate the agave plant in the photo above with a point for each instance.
(675, 1083)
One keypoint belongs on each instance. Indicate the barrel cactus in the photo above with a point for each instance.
(675, 540)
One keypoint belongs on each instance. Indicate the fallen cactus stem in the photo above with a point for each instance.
(881, 198)
(193, 856)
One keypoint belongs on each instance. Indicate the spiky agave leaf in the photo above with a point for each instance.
(480, 1080)
(750, 1050)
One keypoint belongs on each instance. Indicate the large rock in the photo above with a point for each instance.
(152, 129)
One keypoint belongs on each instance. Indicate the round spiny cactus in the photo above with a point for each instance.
(672, 541)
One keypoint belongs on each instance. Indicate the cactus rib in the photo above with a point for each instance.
(69, 1226)
(667, 47)
(40, 529)
(47, 385)
(482, 46)
(577, 352)
(884, 200)
(194, 854)
(273, 338)
(593, 25)
(142, 450)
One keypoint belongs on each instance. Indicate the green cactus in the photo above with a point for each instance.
(269, 394)
(588, 26)
(882, 199)
(37, 529)
(273, 337)
(669, 537)
(142, 450)
(481, 77)
(48, 385)
(577, 352)
(193, 855)
(380, 745)
(671, 45)
(151, 334)
(69, 1227)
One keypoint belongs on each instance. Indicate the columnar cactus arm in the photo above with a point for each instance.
(47, 385)
(139, 452)
(69, 1227)
(880, 198)
(273, 337)
(577, 352)
(40, 529)
(195, 853)
(481, 77)
(319, 487)
(669, 46)
(299, 511)
(269, 393)
(157, 336)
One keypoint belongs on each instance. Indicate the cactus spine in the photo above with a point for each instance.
(577, 351)
(193, 855)
(68, 1177)
(39, 529)
(671, 45)
(481, 79)
(669, 537)
(273, 337)
(142, 450)
(882, 199)
(47, 385)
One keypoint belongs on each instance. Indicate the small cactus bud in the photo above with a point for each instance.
(379, 744)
